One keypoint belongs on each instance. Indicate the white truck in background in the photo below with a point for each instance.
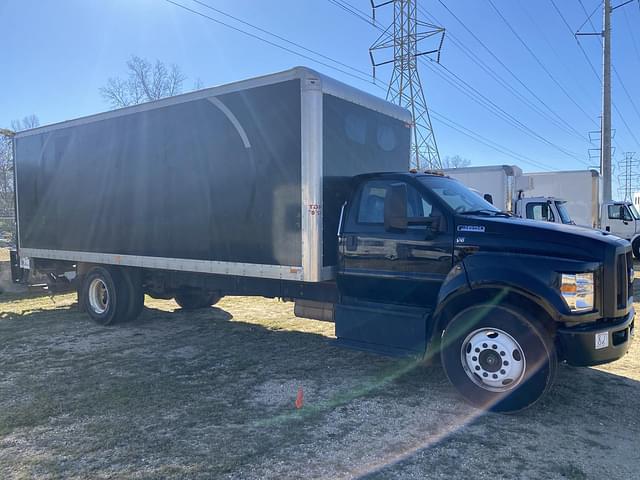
(581, 190)
(569, 197)
(506, 187)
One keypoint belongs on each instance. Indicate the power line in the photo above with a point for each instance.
(279, 37)
(633, 37)
(487, 142)
(538, 61)
(257, 37)
(503, 65)
(503, 114)
(624, 88)
(474, 58)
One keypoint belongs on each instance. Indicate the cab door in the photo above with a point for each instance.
(618, 220)
(383, 265)
(537, 210)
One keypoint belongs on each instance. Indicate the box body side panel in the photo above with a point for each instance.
(212, 179)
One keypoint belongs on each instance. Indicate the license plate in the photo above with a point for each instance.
(602, 340)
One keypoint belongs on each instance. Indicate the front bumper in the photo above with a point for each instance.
(597, 343)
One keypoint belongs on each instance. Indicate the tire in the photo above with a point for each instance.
(497, 358)
(133, 280)
(635, 246)
(105, 295)
(195, 299)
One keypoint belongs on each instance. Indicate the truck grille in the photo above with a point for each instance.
(624, 279)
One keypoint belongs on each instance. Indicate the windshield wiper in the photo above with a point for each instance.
(486, 211)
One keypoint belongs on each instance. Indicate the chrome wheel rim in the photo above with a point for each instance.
(493, 359)
(98, 296)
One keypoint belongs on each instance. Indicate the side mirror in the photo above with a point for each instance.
(488, 197)
(395, 208)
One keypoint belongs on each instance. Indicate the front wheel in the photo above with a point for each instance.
(497, 358)
(635, 246)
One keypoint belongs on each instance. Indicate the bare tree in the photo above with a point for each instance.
(144, 82)
(455, 162)
(6, 167)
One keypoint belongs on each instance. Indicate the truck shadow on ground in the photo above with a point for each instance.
(213, 392)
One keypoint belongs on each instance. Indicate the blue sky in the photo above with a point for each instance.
(57, 54)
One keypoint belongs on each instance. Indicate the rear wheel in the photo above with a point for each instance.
(497, 358)
(105, 295)
(195, 299)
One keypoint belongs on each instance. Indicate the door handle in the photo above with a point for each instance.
(352, 242)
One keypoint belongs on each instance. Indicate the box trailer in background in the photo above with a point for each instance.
(499, 181)
(580, 189)
(510, 190)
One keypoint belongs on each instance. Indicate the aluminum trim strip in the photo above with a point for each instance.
(311, 176)
(177, 264)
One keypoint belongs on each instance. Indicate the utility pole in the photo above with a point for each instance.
(605, 122)
(405, 87)
(605, 144)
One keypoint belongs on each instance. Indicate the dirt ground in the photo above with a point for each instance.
(212, 395)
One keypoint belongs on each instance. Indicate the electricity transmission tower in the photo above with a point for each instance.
(405, 88)
(629, 176)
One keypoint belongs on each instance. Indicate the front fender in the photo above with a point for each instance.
(532, 276)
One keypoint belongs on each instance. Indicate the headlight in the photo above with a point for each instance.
(577, 290)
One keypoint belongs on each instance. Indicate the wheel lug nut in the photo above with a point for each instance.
(485, 374)
(506, 363)
(502, 354)
(495, 376)
(477, 350)
(503, 372)
(477, 367)
(494, 346)
(484, 345)
(475, 359)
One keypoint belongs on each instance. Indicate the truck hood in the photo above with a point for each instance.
(511, 234)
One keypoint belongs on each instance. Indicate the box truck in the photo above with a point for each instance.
(581, 190)
(294, 185)
(510, 190)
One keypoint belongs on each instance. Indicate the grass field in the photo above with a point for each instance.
(211, 395)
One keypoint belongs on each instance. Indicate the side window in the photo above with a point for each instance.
(617, 212)
(371, 208)
(539, 211)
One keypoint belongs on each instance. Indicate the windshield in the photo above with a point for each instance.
(564, 214)
(634, 212)
(455, 194)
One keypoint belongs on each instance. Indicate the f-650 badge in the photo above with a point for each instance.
(471, 228)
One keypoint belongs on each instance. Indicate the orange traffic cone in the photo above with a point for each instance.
(300, 398)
